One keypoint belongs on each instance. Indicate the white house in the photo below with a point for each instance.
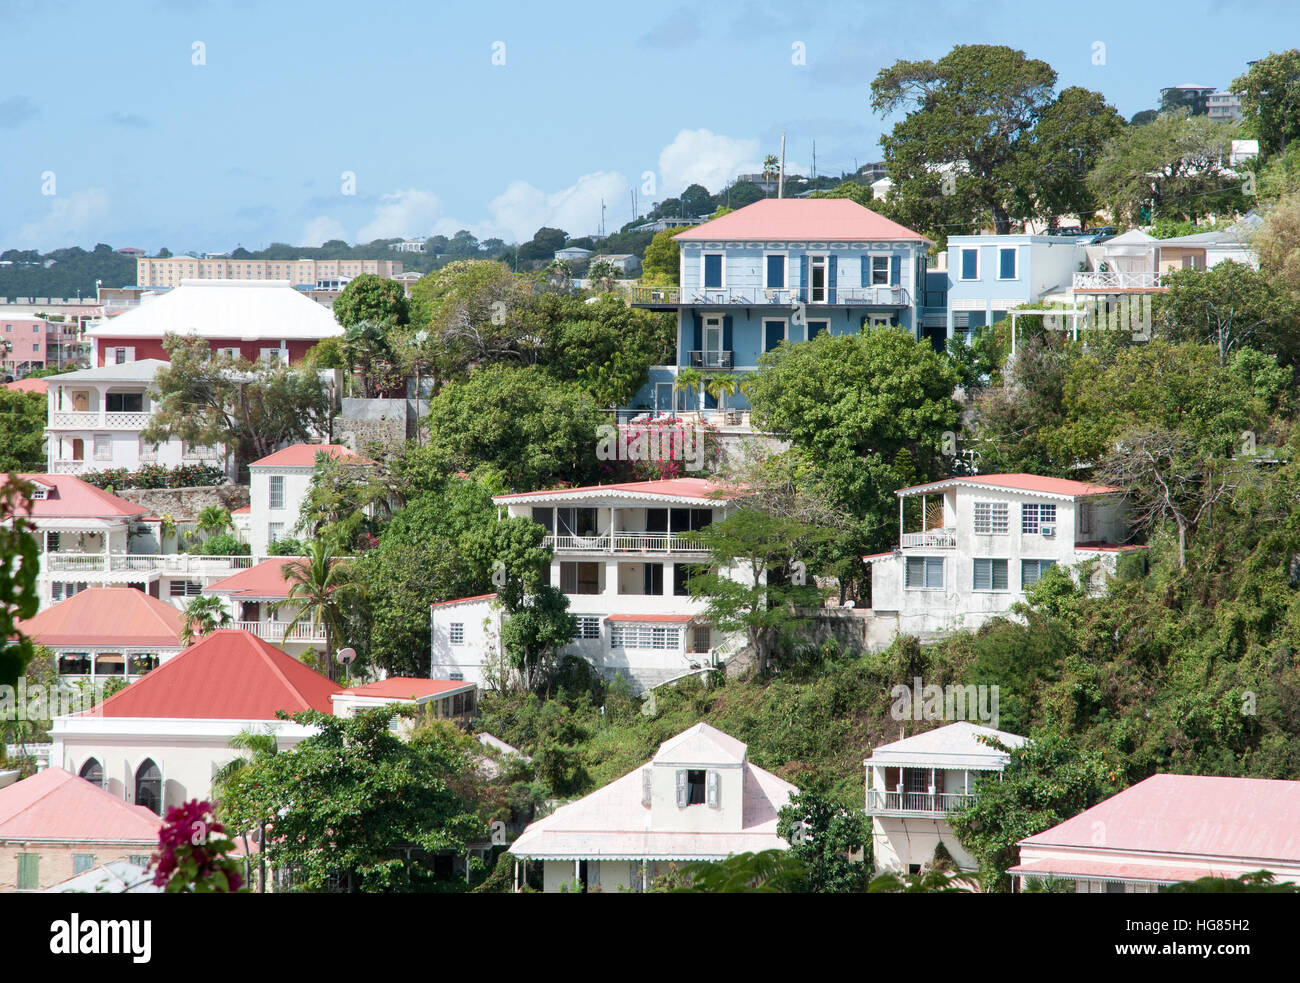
(96, 415)
(572, 254)
(625, 263)
(913, 783)
(698, 798)
(622, 554)
(256, 600)
(981, 541)
(278, 485)
(1171, 828)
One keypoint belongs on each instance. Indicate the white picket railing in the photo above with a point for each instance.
(936, 803)
(944, 539)
(1116, 280)
(626, 542)
(178, 564)
(76, 420)
(274, 631)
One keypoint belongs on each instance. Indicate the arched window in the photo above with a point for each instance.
(148, 786)
(93, 772)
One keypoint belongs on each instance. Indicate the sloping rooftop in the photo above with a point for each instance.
(695, 490)
(68, 497)
(702, 744)
(304, 456)
(114, 877)
(247, 310)
(954, 746)
(229, 675)
(112, 616)
(1256, 819)
(263, 581)
(39, 386)
(801, 218)
(141, 370)
(1038, 484)
(55, 804)
(404, 688)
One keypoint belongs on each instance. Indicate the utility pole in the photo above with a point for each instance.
(780, 180)
(814, 173)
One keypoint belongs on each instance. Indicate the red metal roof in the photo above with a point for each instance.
(265, 579)
(55, 804)
(107, 616)
(304, 456)
(29, 386)
(675, 619)
(1020, 482)
(463, 600)
(405, 688)
(800, 218)
(72, 498)
(243, 510)
(1253, 818)
(673, 487)
(229, 675)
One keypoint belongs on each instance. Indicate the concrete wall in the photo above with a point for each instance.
(57, 859)
(898, 843)
(186, 503)
(362, 423)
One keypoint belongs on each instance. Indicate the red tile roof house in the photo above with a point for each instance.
(621, 554)
(54, 825)
(158, 742)
(977, 543)
(253, 598)
(277, 486)
(1172, 828)
(780, 270)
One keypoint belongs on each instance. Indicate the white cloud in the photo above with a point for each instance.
(75, 217)
(320, 230)
(410, 212)
(707, 158)
(522, 209)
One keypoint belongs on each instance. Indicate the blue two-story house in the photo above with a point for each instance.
(988, 275)
(782, 270)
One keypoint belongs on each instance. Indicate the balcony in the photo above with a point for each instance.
(711, 360)
(936, 539)
(878, 296)
(72, 420)
(915, 803)
(170, 564)
(626, 542)
(656, 296)
(275, 631)
(1116, 281)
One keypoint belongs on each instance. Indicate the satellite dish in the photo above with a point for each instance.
(346, 656)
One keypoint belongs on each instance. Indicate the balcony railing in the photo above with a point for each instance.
(1118, 281)
(76, 420)
(627, 542)
(656, 295)
(274, 631)
(878, 296)
(930, 803)
(943, 539)
(179, 564)
(711, 360)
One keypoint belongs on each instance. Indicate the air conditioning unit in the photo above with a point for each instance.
(1047, 530)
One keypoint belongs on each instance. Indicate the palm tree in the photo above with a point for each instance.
(202, 616)
(261, 747)
(322, 589)
(688, 380)
(722, 386)
(213, 519)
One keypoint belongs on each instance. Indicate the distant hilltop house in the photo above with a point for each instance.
(782, 269)
(408, 246)
(979, 542)
(625, 263)
(698, 799)
(572, 254)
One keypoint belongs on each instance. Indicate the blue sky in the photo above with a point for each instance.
(146, 148)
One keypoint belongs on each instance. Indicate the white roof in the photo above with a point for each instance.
(114, 877)
(702, 745)
(247, 310)
(954, 746)
(142, 370)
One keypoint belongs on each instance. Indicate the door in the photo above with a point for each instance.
(817, 281)
(80, 401)
(916, 788)
(78, 449)
(663, 397)
(712, 342)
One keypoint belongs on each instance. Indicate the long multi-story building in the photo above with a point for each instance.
(169, 272)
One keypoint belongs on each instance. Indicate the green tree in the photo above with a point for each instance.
(1278, 241)
(213, 519)
(601, 275)
(661, 262)
(1270, 100)
(355, 801)
(22, 431)
(367, 351)
(471, 310)
(19, 565)
(203, 615)
(321, 592)
(368, 297)
(851, 190)
(766, 872)
(1063, 147)
(696, 200)
(823, 835)
(1227, 306)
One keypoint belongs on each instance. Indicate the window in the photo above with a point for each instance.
(124, 402)
(1031, 571)
(580, 578)
(274, 531)
(1085, 517)
(138, 859)
(103, 447)
(148, 787)
(970, 264)
(815, 328)
(775, 270)
(702, 636)
(992, 518)
(275, 486)
(140, 663)
(1034, 517)
(682, 572)
(29, 876)
(924, 572)
(589, 628)
(1007, 263)
(773, 334)
(690, 787)
(880, 271)
(990, 575)
(712, 270)
(652, 580)
(634, 636)
(82, 862)
(184, 588)
(93, 772)
(457, 633)
(817, 280)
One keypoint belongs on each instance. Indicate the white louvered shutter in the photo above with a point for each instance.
(646, 779)
(713, 790)
(683, 790)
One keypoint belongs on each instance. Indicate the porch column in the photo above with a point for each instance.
(924, 513)
(102, 393)
(108, 556)
(611, 529)
(900, 520)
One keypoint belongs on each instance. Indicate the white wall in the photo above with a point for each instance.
(297, 483)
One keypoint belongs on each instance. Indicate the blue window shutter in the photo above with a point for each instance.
(803, 278)
(866, 270)
(774, 334)
(697, 345)
(712, 270)
(895, 270)
(726, 333)
(776, 272)
(831, 266)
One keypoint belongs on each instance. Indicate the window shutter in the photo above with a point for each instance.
(698, 344)
(683, 790)
(647, 779)
(831, 275)
(713, 790)
(866, 270)
(130, 354)
(726, 333)
(895, 270)
(803, 278)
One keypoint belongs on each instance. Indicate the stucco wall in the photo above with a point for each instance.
(185, 503)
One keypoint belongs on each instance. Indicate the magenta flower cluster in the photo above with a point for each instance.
(191, 840)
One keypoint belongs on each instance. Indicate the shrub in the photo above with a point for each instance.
(223, 544)
(157, 476)
(286, 547)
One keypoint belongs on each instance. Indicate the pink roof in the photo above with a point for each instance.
(1255, 818)
(800, 218)
(676, 619)
(1103, 870)
(72, 498)
(1020, 482)
(107, 616)
(405, 688)
(265, 579)
(243, 510)
(304, 456)
(670, 487)
(29, 386)
(55, 804)
(463, 600)
(229, 675)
